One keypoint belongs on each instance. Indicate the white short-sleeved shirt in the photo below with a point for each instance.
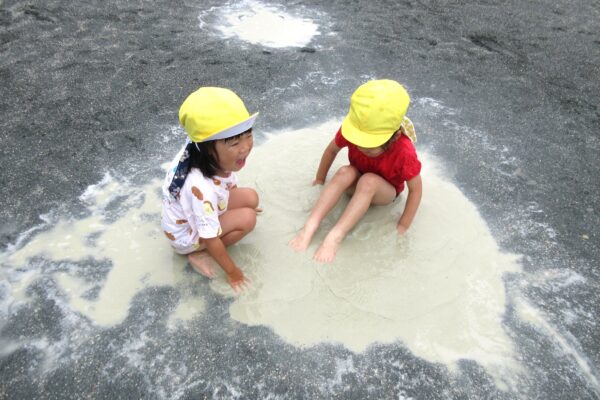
(194, 215)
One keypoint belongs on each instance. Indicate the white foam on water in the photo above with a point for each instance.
(257, 23)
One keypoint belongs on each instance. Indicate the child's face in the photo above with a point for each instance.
(232, 153)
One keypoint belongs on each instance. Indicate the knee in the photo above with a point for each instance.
(253, 199)
(248, 218)
(346, 174)
(367, 183)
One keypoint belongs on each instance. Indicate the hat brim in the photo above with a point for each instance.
(234, 130)
(355, 136)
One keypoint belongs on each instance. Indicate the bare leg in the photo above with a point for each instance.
(344, 178)
(242, 197)
(235, 224)
(370, 189)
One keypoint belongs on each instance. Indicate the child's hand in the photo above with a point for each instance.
(237, 280)
(401, 229)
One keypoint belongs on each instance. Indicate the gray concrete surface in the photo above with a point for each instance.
(92, 86)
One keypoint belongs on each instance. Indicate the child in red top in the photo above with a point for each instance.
(382, 158)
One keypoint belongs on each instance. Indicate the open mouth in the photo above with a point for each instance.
(241, 162)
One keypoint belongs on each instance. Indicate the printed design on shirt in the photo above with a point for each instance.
(197, 193)
(208, 208)
(190, 231)
(222, 204)
(216, 182)
(181, 221)
(229, 186)
(170, 235)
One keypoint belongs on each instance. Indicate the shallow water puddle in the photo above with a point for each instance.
(438, 289)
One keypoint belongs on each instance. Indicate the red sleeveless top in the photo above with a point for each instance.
(397, 164)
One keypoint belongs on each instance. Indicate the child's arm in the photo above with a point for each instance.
(217, 250)
(415, 190)
(326, 160)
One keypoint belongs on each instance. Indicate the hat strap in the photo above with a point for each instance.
(180, 171)
(408, 129)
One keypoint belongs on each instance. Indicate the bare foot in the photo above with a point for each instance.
(303, 238)
(202, 262)
(300, 242)
(326, 252)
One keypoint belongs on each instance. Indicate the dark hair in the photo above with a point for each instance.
(206, 158)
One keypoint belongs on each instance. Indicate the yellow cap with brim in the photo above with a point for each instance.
(212, 113)
(377, 109)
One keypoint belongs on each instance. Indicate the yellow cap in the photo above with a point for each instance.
(377, 109)
(212, 113)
